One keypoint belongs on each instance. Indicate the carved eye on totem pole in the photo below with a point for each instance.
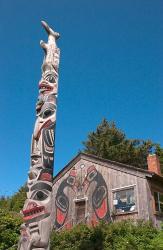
(41, 191)
(50, 78)
(40, 195)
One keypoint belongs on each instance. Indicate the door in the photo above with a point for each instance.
(80, 211)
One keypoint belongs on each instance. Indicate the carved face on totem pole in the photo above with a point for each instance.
(37, 207)
(48, 82)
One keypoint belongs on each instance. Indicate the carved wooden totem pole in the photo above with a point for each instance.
(37, 208)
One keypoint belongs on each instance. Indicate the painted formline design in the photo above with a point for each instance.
(98, 199)
(36, 228)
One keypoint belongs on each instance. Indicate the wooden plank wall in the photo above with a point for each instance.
(114, 179)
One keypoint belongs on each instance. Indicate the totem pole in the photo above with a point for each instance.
(36, 228)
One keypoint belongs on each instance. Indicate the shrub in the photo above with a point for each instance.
(9, 229)
(124, 235)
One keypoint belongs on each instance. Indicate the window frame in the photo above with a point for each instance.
(160, 211)
(124, 188)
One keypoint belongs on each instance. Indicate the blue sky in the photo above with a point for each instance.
(111, 66)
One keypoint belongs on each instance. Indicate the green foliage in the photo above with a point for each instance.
(124, 235)
(17, 201)
(9, 229)
(111, 143)
(157, 242)
(159, 151)
(14, 203)
(77, 238)
(10, 219)
(4, 202)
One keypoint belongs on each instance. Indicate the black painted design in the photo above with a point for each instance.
(40, 186)
(100, 202)
(62, 201)
(48, 146)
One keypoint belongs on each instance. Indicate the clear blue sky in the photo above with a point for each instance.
(111, 66)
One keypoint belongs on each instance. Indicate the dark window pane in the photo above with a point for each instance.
(156, 201)
(161, 202)
(161, 207)
(124, 201)
(161, 197)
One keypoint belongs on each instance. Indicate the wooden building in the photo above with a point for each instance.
(89, 189)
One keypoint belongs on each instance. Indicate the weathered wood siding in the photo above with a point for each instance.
(95, 183)
(154, 186)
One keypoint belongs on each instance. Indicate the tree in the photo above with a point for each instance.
(15, 202)
(159, 151)
(111, 143)
(4, 202)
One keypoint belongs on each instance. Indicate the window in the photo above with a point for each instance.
(124, 200)
(158, 201)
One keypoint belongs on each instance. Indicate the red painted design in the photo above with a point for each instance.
(33, 211)
(99, 195)
(45, 86)
(46, 177)
(60, 216)
(102, 210)
(73, 172)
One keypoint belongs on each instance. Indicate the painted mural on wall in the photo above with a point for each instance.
(100, 202)
(62, 200)
(37, 208)
(81, 184)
